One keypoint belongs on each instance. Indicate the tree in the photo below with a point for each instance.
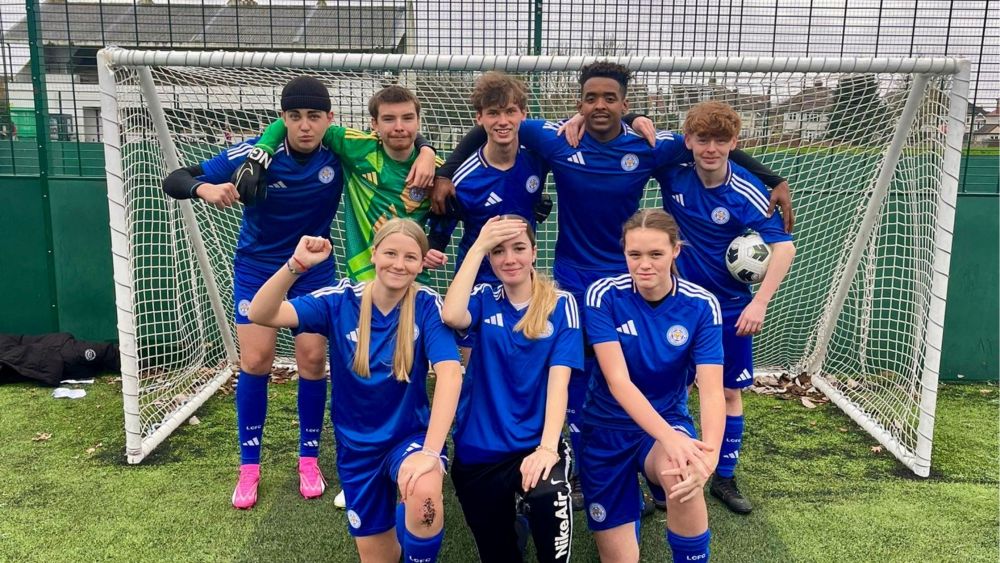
(857, 107)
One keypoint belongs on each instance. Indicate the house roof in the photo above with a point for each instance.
(976, 110)
(336, 28)
(814, 97)
(987, 130)
(688, 95)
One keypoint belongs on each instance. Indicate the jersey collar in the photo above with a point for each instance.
(671, 293)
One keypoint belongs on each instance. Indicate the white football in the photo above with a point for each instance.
(747, 258)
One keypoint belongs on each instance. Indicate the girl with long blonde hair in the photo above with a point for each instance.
(382, 335)
(508, 446)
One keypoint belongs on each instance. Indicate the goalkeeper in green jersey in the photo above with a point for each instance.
(386, 176)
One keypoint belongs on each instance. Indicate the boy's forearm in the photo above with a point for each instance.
(782, 254)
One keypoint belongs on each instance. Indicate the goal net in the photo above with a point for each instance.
(870, 148)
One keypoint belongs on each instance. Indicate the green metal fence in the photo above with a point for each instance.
(53, 212)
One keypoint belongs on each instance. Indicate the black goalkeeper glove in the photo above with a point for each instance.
(251, 177)
(543, 208)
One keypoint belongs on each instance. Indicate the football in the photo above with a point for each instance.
(747, 258)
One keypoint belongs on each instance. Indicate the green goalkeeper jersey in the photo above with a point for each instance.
(375, 188)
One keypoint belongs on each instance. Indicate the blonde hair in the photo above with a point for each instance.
(655, 219)
(543, 295)
(402, 356)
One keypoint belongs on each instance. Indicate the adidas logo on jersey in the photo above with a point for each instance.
(744, 376)
(311, 444)
(372, 178)
(276, 185)
(493, 199)
(495, 320)
(352, 336)
(679, 198)
(252, 442)
(577, 158)
(732, 455)
(628, 328)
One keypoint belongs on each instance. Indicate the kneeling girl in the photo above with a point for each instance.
(508, 445)
(648, 329)
(382, 334)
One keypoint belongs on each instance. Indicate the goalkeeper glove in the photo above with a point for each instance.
(251, 177)
(543, 208)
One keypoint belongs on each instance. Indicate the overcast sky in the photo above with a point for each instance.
(705, 27)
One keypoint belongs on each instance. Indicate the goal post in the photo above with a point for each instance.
(871, 148)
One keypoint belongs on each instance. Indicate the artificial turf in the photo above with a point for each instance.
(820, 491)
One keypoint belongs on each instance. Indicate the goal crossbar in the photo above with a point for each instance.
(527, 63)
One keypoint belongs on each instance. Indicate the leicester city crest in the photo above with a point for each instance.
(417, 194)
(532, 184)
(549, 329)
(720, 215)
(416, 332)
(326, 174)
(354, 519)
(244, 307)
(597, 512)
(677, 335)
(630, 162)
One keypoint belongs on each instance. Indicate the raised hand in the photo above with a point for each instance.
(312, 250)
(497, 230)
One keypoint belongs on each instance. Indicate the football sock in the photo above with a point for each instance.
(732, 440)
(686, 549)
(312, 400)
(251, 410)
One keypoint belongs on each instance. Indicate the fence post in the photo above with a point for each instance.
(37, 54)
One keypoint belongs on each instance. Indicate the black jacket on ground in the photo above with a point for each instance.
(51, 358)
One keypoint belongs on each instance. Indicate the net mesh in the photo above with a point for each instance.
(826, 132)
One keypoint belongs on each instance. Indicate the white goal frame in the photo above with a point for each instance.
(140, 443)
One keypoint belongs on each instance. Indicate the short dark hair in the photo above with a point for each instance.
(394, 94)
(605, 69)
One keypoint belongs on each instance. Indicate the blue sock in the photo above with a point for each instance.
(689, 548)
(251, 409)
(400, 522)
(312, 402)
(732, 440)
(421, 550)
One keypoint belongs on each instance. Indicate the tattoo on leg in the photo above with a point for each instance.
(429, 513)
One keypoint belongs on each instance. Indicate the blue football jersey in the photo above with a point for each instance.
(302, 199)
(710, 218)
(661, 344)
(599, 186)
(372, 413)
(502, 407)
(484, 192)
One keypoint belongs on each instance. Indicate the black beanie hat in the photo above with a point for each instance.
(305, 92)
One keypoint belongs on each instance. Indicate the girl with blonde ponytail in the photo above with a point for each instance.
(525, 336)
(382, 335)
